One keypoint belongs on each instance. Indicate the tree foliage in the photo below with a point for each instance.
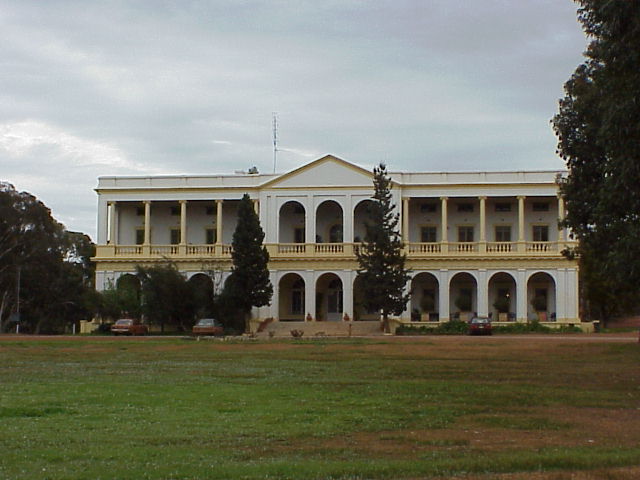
(598, 129)
(47, 268)
(166, 296)
(380, 257)
(248, 284)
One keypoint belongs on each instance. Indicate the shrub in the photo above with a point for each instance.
(453, 327)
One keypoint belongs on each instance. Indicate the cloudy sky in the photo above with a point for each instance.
(90, 88)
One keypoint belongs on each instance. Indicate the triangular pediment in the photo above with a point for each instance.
(328, 171)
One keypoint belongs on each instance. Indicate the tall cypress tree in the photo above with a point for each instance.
(382, 262)
(248, 285)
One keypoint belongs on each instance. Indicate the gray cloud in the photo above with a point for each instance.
(99, 88)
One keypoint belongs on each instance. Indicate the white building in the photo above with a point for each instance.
(478, 235)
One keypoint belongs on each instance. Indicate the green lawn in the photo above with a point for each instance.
(165, 408)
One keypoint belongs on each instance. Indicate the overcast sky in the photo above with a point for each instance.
(91, 88)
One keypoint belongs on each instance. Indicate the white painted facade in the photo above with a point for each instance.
(479, 234)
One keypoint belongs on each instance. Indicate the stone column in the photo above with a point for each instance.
(443, 296)
(113, 220)
(147, 222)
(521, 244)
(256, 206)
(561, 234)
(521, 295)
(405, 219)
(444, 235)
(483, 224)
(218, 222)
(482, 294)
(183, 222)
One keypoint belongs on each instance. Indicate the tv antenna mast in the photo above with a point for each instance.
(275, 139)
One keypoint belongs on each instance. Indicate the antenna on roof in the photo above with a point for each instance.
(275, 139)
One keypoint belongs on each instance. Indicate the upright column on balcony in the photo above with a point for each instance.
(146, 247)
(444, 227)
(219, 227)
(561, 231)
(521, 243)
(310, 222)
(183, 228)
(256, 207)
(483, 224)
(113, 220)
(405, 219)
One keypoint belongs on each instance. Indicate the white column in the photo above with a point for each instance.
(561, 234)
(405, 219)
(482, 292)
(183, 222)
(562, 295)
(113, 220)
(521, 218)
(310, 223)
(443, 223)
(147, 222)
(218, 222)
(347, 224)
(256, 206)
(443, 295)
(310, 293)
(483, 219)
(347, 293)
(103, 221)
(521, 295)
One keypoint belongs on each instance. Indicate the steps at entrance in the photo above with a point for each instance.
(322, 329)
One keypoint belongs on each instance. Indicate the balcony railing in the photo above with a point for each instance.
(348, 251)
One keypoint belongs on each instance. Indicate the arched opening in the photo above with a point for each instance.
(541, 297)
(329, 222)
(502, 297)
(128, 281)
(425, 292)
(291, 303)
(201, 286)
(361, 216)
(291, 223)
(329, 298)
(463, 296)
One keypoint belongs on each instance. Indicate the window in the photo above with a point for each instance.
(139, 236)
(503, 233)
(465, 234)
(298, 209)
(209, 210)
(298, 235)
(503, 207)
(465, 207)
(540, 233)
(210, 236)
(540, 206)
(297, 298)
(428, 234)
(175, 211)
(428, 207)
(174, 236)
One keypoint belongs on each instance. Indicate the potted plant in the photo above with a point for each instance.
(539, 304)
(463, 302)
(502, 305)
(427, 305)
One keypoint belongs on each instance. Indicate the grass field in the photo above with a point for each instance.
(103, 408)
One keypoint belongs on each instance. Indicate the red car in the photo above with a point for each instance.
(127, 326)
(208, 326)
(480, 326)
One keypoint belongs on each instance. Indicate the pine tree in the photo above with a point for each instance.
(248, 285)
(382, 262)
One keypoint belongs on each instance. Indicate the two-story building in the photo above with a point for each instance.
(479, 236)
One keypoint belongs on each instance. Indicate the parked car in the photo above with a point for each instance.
(127, 326)
(480, 326)
(208, 326)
